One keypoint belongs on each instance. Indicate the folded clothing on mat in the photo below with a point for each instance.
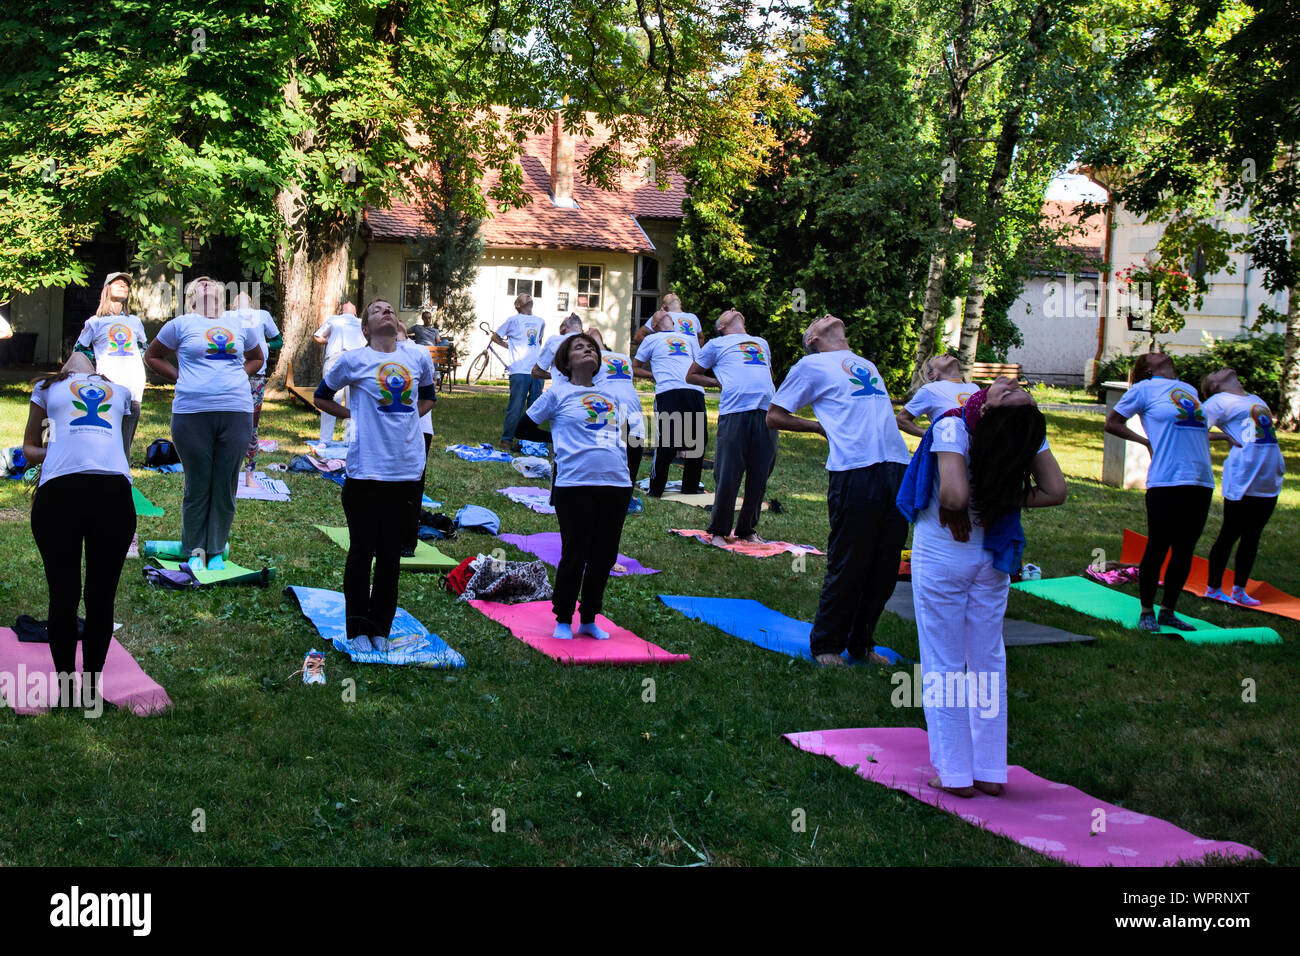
(1053, 819)
(508, 582)
(754, 549)
(231, 574)
(537, 499)
(410, 642)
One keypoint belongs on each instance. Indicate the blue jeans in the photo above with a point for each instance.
(524, 390)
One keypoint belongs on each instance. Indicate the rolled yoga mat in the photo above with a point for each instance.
(1053, 819)
(125, 684)
(410, 641)
(1272, 600)
(143, 506)
(1014, 633)
(533, 622)
(756, 623)
(427, 557)
(1106, 604)
(546, 545)
(171, 550)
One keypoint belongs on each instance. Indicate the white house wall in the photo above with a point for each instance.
(1058, 321)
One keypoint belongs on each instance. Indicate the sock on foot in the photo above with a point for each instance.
(361, 645)
(1240, 596)
(562, 632)
(196, 563)
(1147, 621)
(1216, 594)
(1168, 618)
(591, 630)
(216, 563)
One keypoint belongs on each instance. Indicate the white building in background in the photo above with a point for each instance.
(1070, 321)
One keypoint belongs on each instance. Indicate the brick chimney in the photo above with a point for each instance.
(562, 166)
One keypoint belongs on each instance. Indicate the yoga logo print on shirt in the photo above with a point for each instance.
(221, 344)
(861, 376)
(532, 336)
(120, 340)
(1263, 419)
(687, 327)
(617, 368)
(90, 397)
(677, 347)
(394, 388)
(962, 398)
(598, 406)
(753, 353)
(1189, 409)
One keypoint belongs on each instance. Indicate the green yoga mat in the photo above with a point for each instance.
(1106, 604)
(143, 506)
(230, 574)
(171, 550)
(427, 557)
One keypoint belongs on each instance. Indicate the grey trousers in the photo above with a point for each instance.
(129, 425)
(212, 446)
(746, 447)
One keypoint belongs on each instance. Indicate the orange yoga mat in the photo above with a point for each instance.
(1272, 601)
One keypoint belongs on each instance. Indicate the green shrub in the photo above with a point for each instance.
(1257, 359)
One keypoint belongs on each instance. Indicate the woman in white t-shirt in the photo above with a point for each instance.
(943, 390)
(391, 387)
(260, 330)
(416, 350)
(212, 413)
(988, 463)
(1180, 480)
(74, 432)
(592, 487)
(1252, 479)
(115, 340)
(681, 421)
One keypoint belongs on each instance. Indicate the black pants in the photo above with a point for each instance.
(413, 536)
(635, 450)
(591, 524)
(681, 424)
(1244, 519)
(68, 511)
(746, 447)
(1175, 520)
(866, 540)
(378, 514)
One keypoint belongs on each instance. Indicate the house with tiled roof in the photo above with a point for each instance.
(604, 254)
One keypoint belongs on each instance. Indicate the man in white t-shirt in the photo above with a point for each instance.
(545, 368)
(339, 333)
(866, 464)
(687, 323)
(745, 446)
(522, 335)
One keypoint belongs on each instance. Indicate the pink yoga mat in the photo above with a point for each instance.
(546, 545)
(126, 685)
(1053, 818)
(533, 622)
(765, 549)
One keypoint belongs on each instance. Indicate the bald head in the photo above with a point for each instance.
(661, 321)
(671, 302)
(348, 309)
(731, 322)
(570, 323)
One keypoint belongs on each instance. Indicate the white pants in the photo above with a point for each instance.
(327, 420)
(960, 600)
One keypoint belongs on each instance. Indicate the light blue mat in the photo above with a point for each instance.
(757, 623)
(410, 641)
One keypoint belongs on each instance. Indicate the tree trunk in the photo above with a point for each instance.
(1289, 413)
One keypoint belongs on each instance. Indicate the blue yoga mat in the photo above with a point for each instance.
(757, 623)
(410, 640)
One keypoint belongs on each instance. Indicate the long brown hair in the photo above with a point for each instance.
(106, 301)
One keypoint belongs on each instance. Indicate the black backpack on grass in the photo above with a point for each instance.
(161, 452)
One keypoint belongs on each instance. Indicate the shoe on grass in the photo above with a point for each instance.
(1168, 618)
(1239, 596)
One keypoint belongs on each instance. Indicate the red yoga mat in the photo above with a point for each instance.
(125, 684)
(534, 621)
(1272, 601)
(1053, 819)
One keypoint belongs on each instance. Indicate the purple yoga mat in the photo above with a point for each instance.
(1053, 818)
(126, 685)
(546, 545)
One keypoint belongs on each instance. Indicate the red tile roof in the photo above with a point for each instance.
(604, 219)
(1087, 238)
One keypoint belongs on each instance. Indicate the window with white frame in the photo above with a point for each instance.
(590, 279)
(520, 286)
(415, 285)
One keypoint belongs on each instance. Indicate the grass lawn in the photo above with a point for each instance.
(584, 770)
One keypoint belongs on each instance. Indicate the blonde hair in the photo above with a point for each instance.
(191, 291)
(106, 301)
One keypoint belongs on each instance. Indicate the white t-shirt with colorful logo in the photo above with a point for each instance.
(415, 348)
(259, 328)
(210, 363)
(342, 333)
(546, 357)
(84, 426)
(1256, 468)
(387, 442)
(118, 342)
(615, 375)
(523, 335)
(742, 364)
(934, 398)
(670, 356)
(849, 398)
(585, 430)
(1175, 424)
(688, 323)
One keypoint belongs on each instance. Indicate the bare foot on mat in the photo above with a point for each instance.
(955, 791)
(992, 789)
(830, 660)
